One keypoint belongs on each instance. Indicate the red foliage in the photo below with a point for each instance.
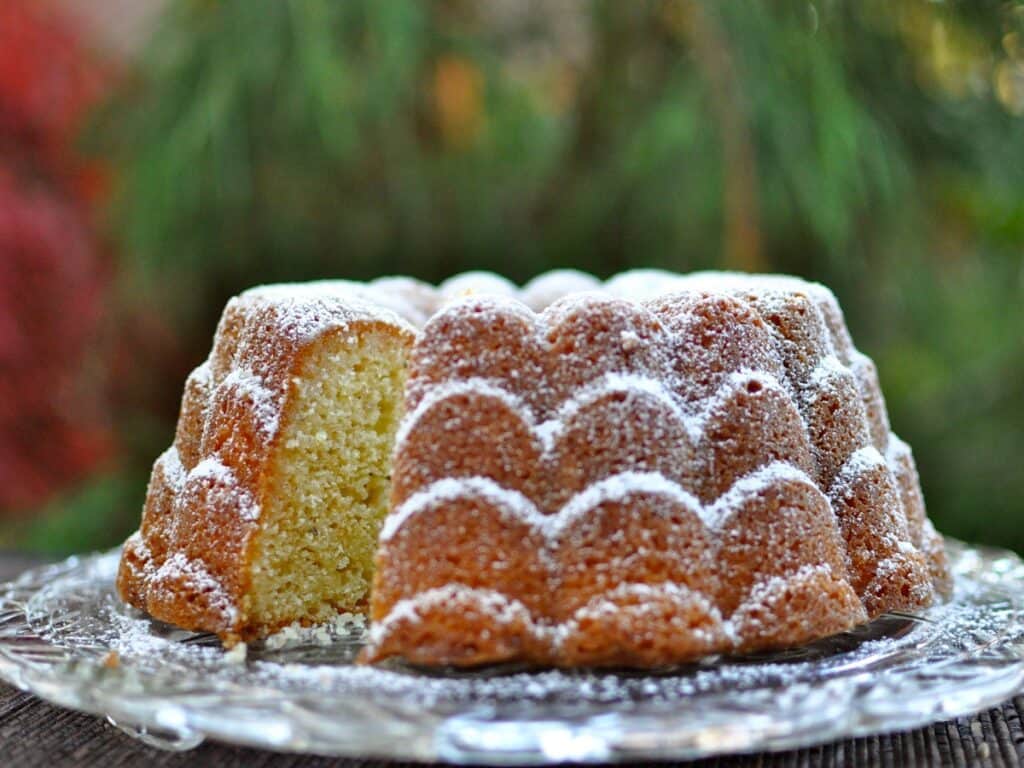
(54, 274)
(51, 289)
(47, 85)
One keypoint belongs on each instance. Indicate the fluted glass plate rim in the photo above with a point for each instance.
(65, 637)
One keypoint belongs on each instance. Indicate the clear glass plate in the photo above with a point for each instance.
(65, 636)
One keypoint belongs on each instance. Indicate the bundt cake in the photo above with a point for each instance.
(638, 472)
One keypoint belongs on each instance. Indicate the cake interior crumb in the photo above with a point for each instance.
(329, 484)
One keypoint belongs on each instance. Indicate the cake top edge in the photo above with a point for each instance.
(478, 280)
(408, 301)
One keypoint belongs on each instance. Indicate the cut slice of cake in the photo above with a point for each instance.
(266, 509)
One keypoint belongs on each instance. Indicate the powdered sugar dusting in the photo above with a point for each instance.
(213, 468)
(775, 394)
(307, 310)
(202, 374)
(860, 461)
(755, 484)
(644, 603)
(558, 534)
(64, 625)
(265, 403)
(212, 473)
(455, 389)
(498, 607)
(549, 287)
(605, 368)
(170, 462)
(447, 490)
(627, 384)
(477, 283)
(618, 489)
(192, 575)
(827, 369)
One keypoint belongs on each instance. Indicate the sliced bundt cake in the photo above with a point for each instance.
(638, 472)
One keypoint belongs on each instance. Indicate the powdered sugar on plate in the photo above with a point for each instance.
(60, 626)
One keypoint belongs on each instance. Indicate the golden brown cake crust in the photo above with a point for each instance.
(189, 564)
(662, 468)
(676, 466)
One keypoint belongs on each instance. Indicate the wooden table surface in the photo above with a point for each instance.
(35, 734)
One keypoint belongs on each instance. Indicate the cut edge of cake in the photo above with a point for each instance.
(266, 508)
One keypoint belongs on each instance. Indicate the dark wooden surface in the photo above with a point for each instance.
(34, 734)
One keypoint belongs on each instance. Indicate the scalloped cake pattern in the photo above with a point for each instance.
(641, 471)
(713, 459)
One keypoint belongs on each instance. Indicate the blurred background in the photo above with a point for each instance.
(158, 156)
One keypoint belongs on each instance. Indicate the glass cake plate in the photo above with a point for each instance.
(66, 637)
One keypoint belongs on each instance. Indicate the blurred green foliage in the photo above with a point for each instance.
(876, 146)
